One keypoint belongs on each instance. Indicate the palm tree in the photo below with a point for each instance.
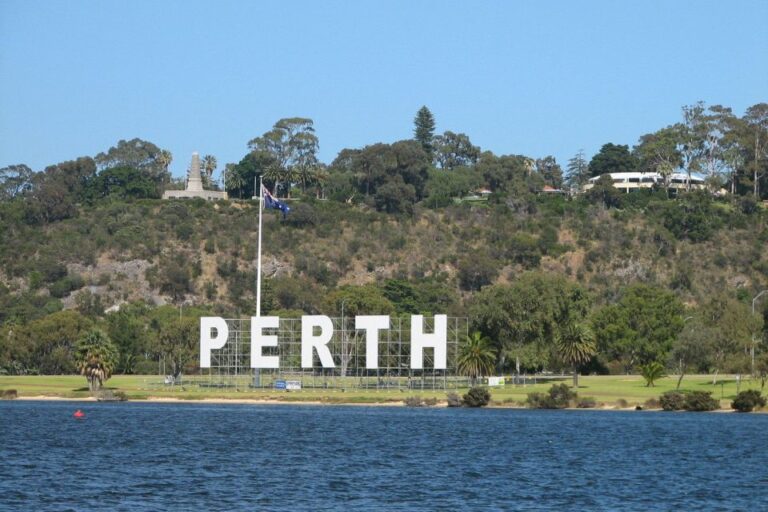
(96, 358)
(476, 356)
(575, 344)
(652, 372)
(209, 165)
(234, 181)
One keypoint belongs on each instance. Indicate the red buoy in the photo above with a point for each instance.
(79, 414)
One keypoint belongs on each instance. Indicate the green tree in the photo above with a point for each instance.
(612, 158)
(639, 328)
(177, 342)
(424, 130)
(96, 358)
(138, 154)
(575, 344)
(290, 146)
(603, 192)
(577, 171)
(476, 356)
(15, 180)
(551, 172)
(652, 372)
(454, 150)
(756, 120)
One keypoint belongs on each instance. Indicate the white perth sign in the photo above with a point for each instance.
(316, 333)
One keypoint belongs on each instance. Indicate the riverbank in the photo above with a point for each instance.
(608, 392)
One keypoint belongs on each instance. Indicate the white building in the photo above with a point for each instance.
(628, 181)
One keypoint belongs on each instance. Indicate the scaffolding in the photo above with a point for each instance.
(231, 368)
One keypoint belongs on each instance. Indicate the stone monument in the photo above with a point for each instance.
(194, 187)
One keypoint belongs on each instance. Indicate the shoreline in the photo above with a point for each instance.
(318, 403)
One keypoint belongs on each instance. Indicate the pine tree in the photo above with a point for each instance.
(424, 131)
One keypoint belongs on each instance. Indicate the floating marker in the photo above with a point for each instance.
(80, 415)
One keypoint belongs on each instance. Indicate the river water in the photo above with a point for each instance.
(147, 456)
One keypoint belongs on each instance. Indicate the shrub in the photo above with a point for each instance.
(651, 372)
(477, 396)
(695, 401)
(652, 403)
(672, 401)
(701, 401)
(8, 394)
(559, 396)
(453, 399)
(430, 402)
(587, 402)
(414, 401)
(747, 400)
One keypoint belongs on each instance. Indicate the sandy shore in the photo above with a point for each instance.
(243, 401)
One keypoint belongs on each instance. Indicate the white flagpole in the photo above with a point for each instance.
(258, 261)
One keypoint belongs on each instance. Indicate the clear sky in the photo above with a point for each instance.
(533, 78)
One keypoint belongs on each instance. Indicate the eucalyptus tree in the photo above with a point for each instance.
(291, 145)
(756, 120)
(452, 150)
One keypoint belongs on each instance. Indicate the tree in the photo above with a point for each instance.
(652, 372)
(657, 152)
(756, 119)
(524, 318)
(139, 154)
(603, 192)
(290, 146)
(691, 134)
(551, 172)
(639, 328)
(177, 343)
(612, 158)
(96, 358)
(689, 350)
(575, 344)
(454, 150)
(209, 165)
(14, 181)
(577, 171)
(424, 130)
(476, 356)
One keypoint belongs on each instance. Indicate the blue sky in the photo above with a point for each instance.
(532, 78)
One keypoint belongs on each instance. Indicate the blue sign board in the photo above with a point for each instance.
(279, 384)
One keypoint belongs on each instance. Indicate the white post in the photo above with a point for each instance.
(258, 261)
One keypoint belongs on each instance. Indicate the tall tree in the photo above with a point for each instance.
(756, 119)
(691, 134)
(177, 343)
(291, 145)
(15, 180)
(209, 165)
(454, 150)
(139, 154)
(577, 171)
(551, 172)
(424, 129)
(657, 152)
(575, 343)
(612, 158)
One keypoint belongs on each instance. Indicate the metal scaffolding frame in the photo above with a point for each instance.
(230, 365)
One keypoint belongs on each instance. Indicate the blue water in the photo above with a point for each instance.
(134, 456)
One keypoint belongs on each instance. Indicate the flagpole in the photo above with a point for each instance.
(258, 261)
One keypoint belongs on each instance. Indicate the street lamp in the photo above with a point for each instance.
(752, 349)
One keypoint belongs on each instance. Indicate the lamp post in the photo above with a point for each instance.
(752, 348)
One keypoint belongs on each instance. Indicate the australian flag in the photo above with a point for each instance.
(271, 202)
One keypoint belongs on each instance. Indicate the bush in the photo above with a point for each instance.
(414, 401)
(651, 403)
(695, 401)
(430, 402)
(477, 396)
(8, 394)
(700, 401)
(672, 401)
(559, 396)
(453, 399)
(747, 400)
(587, 402)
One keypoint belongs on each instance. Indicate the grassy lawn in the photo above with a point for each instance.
(607, 390)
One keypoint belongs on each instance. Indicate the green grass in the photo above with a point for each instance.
(607, 390)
